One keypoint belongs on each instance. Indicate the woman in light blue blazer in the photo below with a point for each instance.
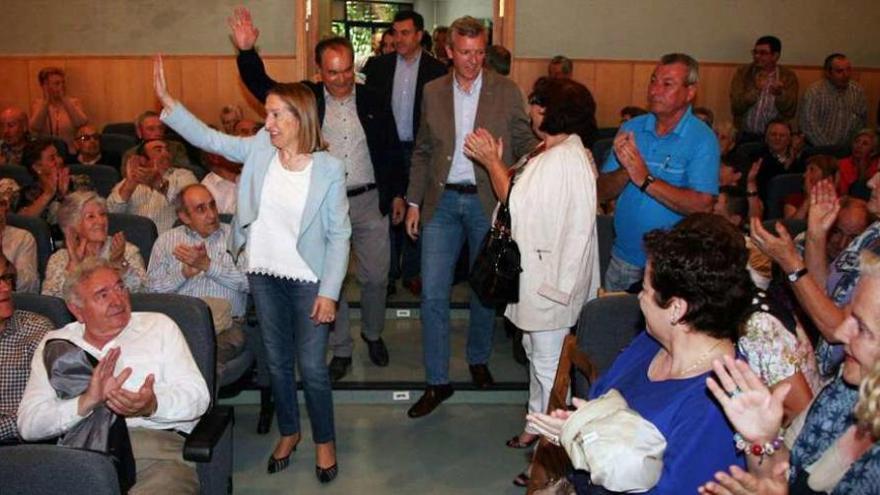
(293, 216)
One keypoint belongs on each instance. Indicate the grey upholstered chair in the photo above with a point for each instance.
(39, 469)
(210, 443)
(138, 230)
(607, 325)
(51, 307)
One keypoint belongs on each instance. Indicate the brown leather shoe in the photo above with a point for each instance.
(433, 396)
(481, 376)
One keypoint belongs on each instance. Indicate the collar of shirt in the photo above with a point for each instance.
(80, 338)
(409, 63)
(198, 237)
(651, 123)
(475, 86)
(330, 99)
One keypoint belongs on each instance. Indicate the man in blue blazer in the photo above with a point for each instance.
(355, 125)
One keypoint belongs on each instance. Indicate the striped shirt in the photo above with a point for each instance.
(18, 341)
(148, 202)
(224, 279)
(830, 116)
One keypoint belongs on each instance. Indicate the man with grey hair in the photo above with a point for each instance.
(560, 67)
(452, 199)
(834, 108)
(159, 390)
(665, 165)
(14, 131)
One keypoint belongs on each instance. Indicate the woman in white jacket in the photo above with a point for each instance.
(553, 220)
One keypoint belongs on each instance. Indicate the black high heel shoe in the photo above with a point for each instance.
(276, 465)
(326, 475)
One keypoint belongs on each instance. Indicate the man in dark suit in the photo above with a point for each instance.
(400, 78)
(452, 198)
(355, 124)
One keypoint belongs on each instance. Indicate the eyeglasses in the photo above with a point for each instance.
(8, 279)
(88, 137)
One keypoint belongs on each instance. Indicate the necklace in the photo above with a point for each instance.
(700, 362)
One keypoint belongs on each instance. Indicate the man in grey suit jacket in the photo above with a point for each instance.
(453, 200)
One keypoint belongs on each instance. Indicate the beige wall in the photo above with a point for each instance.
(710, 30)
(128, 27)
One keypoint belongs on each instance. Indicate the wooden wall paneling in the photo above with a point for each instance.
(641, 77)
(128, 89)
(198, 79)
(614, 82)
(86, 80)
(231, 91)
(870, 81)
(527, 71)
(585, 73)
(714, 92)
(14, 87)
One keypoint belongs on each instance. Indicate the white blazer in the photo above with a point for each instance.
(553, 220)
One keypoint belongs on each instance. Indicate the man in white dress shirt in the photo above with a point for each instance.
(145, 373)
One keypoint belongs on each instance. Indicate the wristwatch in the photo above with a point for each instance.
(649, 179)
(796, 275)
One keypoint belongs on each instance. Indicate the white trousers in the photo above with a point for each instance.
(543, 349)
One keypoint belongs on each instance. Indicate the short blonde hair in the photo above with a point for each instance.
(868, 408)
(466, 26)
(300, 100)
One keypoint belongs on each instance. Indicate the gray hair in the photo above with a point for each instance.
(71, 210)
(466, 26)
(693, 76)
(564, 63)
(83, 271)
(179, 203)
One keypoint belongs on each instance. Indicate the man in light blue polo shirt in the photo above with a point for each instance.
(664, 166)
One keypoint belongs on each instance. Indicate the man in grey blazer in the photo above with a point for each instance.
(452, 199)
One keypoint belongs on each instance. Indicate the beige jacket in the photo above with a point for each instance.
(553, 220)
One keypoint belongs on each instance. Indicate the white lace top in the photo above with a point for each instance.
(272, 237)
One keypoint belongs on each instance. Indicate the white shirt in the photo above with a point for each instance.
(20, 248)
(150, 203)
(224, 192)
(466, 105)
(150, 343)
(273, 235)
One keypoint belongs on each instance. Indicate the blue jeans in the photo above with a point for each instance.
(620, 275)
(289, 335)
(457, 217)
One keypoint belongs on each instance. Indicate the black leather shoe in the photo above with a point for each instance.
(433, 396)
(326, 475)
(377, 350)
(338, 368)
(481, 376)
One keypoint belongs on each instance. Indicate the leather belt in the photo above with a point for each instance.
(462, 188)
(357, 191)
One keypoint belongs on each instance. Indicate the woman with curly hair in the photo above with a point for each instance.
(832, 450)
(696, 291)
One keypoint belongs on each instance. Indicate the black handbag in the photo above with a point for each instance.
(495, 274)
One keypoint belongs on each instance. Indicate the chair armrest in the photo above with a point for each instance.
(199, 445)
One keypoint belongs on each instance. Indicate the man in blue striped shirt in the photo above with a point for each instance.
(192, 259)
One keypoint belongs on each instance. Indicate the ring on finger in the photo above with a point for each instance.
(734, 393)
